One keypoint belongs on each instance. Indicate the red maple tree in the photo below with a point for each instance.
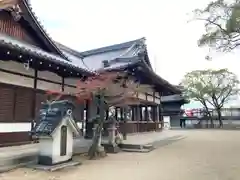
(117, 86)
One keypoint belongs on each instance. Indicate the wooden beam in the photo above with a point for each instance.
(63, 82)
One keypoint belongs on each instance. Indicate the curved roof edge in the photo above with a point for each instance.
(114, 47)
(36, 25)
(172, 87)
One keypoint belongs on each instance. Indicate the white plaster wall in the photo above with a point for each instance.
(45, 146)
(14, 127)
(25, 81)
(141, 96)
(16, 80)
(16, 67)
(150, 98)
(56, 144)
(157, 101)
(157, 94)
(48, 86)
(49, 76)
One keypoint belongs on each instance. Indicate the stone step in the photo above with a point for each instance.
(148, 146)
(54, 167)
(136, 146)
(136, 150)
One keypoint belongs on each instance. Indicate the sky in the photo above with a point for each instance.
(171, 39)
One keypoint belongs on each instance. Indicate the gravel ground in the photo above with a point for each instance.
(202, 155)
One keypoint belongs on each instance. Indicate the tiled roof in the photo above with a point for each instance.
(120, 63)
(93, 59)
(114, 47)
(35, 51)
(51, 116)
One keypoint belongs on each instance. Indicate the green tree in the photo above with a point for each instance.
(222, 25)
(211, 87)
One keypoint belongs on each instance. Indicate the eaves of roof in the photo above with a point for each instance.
(162, 81)
(30, 16)
(12, 43)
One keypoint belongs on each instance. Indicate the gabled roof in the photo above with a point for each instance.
(29, 16)
(94, 58)
(51, 118)
(146, 71)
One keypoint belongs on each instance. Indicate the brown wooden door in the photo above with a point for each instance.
(63, 143)
(7, 103)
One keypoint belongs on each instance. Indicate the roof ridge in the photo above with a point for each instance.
(112, 47)
(71, 50)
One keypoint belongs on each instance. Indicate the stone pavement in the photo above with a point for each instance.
(17, 156)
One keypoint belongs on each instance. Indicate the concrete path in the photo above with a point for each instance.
(203, 154)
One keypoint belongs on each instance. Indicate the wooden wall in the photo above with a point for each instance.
(15, 29)
(20, 102)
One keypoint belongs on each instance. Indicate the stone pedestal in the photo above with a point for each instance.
(112, 147)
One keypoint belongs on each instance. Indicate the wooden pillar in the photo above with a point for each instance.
(124, 117)
(63, 82)
(33, 110)
(153, 113)
(34, 94)
(146, 113)
(133, 113)
(116, 113)
(160, 115)
(137, 113)
(156, 118)
(138, 116)
(141, 115)
(121, 114)
(157, 113)
(89, 124)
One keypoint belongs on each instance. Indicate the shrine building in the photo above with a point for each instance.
(31, 63)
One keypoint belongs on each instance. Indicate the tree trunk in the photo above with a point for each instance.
(125, 123)
(96, 150)
(211, 119)
(219, 117)
(210, 116)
